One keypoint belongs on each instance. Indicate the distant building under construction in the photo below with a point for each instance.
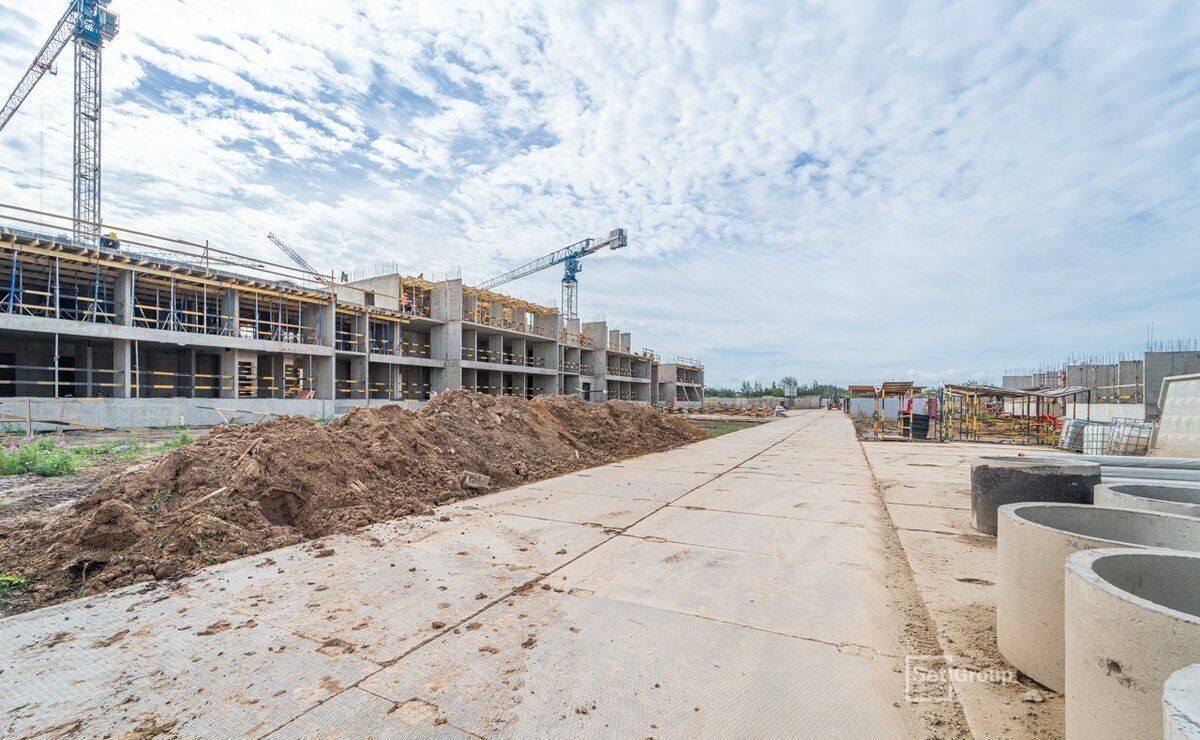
(151, 334)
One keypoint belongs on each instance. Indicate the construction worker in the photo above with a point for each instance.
(405, 303)
(110, 240)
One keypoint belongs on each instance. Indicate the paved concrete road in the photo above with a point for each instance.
(732, 588)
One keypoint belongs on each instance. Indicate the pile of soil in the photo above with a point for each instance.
(241, 490)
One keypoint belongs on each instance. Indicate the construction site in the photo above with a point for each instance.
(244, 497)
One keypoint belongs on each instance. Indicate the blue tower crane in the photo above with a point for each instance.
(569, 258)
(90, 24)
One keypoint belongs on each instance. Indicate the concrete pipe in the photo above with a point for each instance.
(1008, 479)
(1181, 704)
(1133, 619)
(1034, 540)
(1184, 500)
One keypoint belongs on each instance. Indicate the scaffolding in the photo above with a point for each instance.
(980, 413)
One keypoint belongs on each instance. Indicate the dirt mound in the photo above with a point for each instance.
(241, 490)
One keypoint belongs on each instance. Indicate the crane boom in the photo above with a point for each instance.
(569, 258)
(63, 32)
(615, 240)
(293, 254)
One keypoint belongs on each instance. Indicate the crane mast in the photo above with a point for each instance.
(570, 258)
(90, 24)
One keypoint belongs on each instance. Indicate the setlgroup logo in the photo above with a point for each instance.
(931, 678)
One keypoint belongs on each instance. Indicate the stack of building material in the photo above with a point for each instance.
(1130, 437)
(1095, 438)
(1072, 435)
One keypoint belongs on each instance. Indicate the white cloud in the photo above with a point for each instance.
(837, 190)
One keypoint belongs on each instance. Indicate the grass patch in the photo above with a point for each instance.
(174, 443)
(728, 429)
(41, 457)
(10, 584)
(52, 456)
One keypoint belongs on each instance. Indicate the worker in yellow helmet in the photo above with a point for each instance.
(110, 241)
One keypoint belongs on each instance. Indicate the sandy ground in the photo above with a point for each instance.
(927, 490)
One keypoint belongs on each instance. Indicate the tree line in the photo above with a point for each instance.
(756, 389)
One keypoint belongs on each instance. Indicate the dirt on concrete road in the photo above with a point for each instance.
(241, 490)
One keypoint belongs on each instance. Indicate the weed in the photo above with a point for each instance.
(183, 438)
(727, 429)
(41, 457)
(10, 584)
(158, 498)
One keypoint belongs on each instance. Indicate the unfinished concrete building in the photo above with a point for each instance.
(1159, 365)
(681, 383)
(120, 338)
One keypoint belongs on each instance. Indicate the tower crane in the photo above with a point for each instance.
(570, 258)
(90, 24)
(291, 253)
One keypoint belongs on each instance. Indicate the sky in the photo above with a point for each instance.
(838, 191)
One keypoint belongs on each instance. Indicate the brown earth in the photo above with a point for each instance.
(241, 490)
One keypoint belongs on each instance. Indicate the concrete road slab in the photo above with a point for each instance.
(497, 538)
(941, 494)
(851, 477)
(785, 488)
(781, 537)
(651, 485)
(803, 506)
(800, 598)
(355, 714)
(639, 672)
(954, 568)
(932, 519)
(349, 602)
(519, 614)
(126, 661)
(565, 506)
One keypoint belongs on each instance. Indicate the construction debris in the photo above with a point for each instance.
(241, 490)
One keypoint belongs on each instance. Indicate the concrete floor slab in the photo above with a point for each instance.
(129, 660)
(638, 672)
(800, 598)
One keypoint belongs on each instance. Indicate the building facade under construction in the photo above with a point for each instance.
(150, 334)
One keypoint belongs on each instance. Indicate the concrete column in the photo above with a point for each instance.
(228, 382)
(231, 310)
(446, 338)
(191, 369)
(123, 298)
(626, 340)
(276, 369)
(326, 322)
(324, 377)
(122, 368)
(361, 377)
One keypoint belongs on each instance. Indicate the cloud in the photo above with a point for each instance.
(846, 191)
